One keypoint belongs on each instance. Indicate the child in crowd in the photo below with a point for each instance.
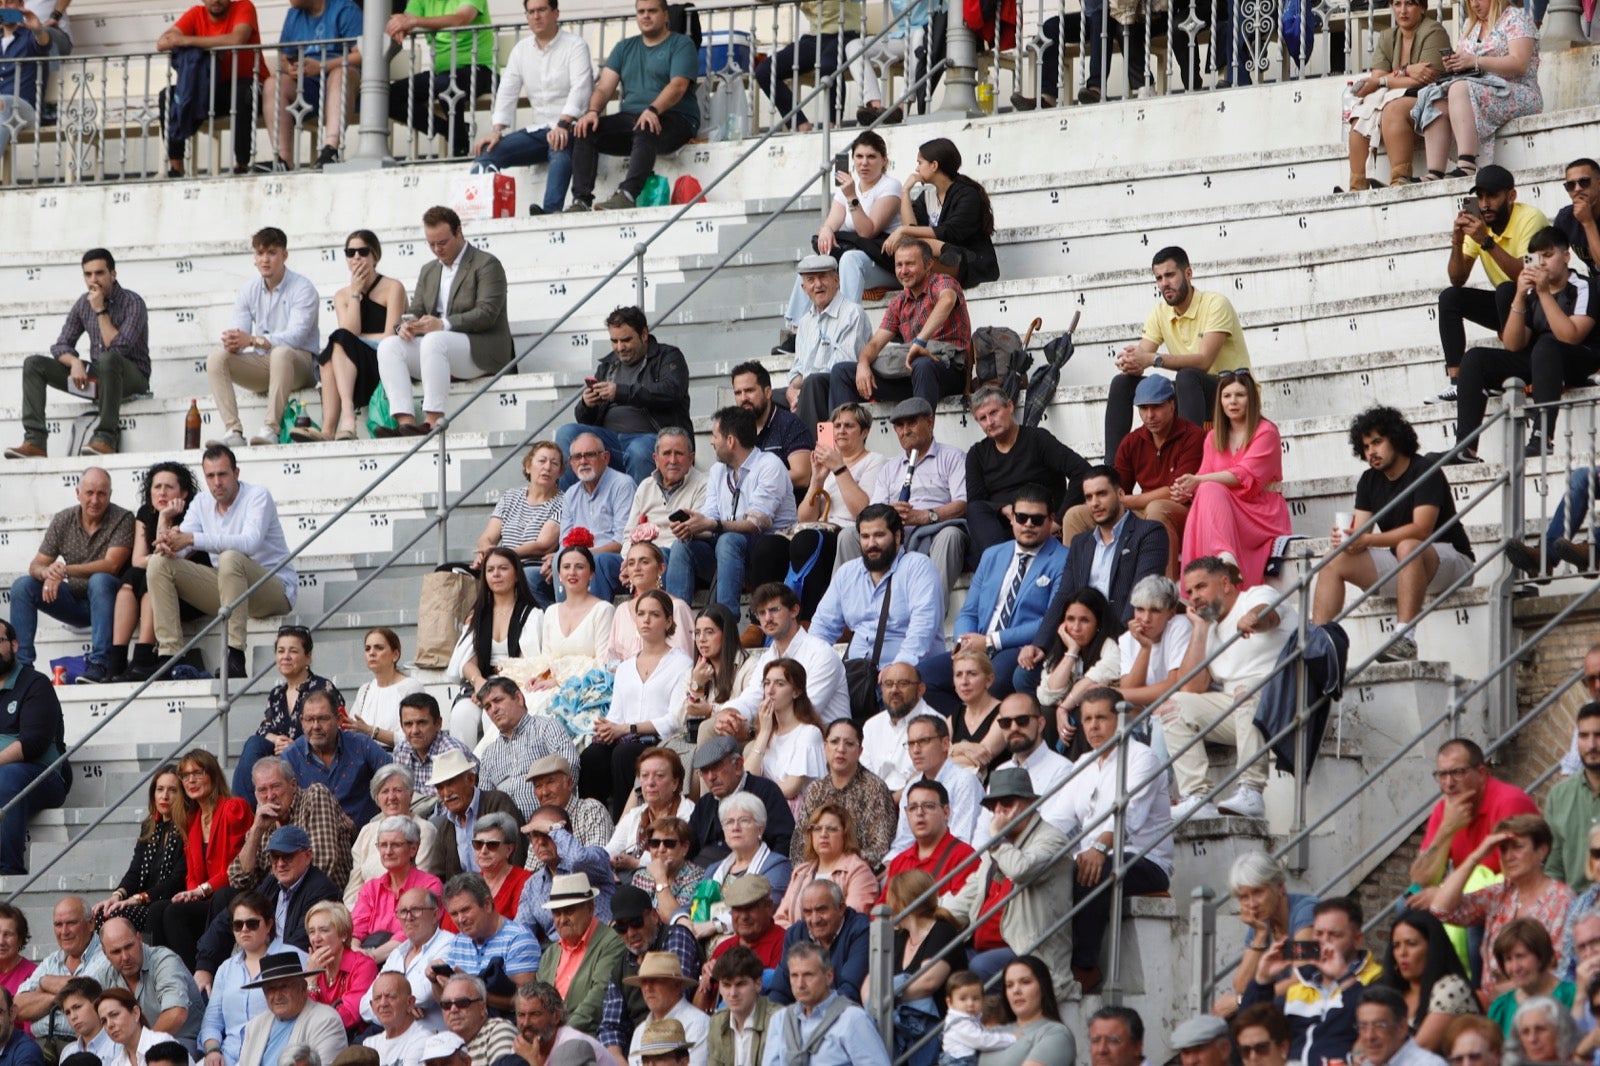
(964, 1025)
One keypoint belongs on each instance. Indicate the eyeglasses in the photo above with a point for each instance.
(1465, 1056)
(824, 827)
(622, 925)
(411, 912)
(1014, 720)
(579, 457)
(458, 1004)
(242, 924)
(739, 823)
(919, 742)
(1574, 184)
(1453, 774)
(355, 250)
(1255, 1051)
(664, 842)
(479, 845)
(191, 775)
(922, 808)
(1030, 518)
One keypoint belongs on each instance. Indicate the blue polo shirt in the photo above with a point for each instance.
(349, 777)
(340, 19)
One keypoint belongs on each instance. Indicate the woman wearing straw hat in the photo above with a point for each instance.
(674, 1026)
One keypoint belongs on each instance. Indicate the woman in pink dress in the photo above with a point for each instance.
(1235, 507)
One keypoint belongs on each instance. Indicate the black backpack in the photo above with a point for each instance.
(684, 19)
(1000, 357)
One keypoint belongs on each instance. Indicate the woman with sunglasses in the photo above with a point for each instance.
(829, 851)
(1261, 1033)
(368, 309)
(1236, 508)
(232, 1005)
(214, 823)
(156, 871)
(280, 725)
(666, 872)
(493, 842)
(1406, 58)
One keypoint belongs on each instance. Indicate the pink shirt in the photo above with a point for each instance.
(375, 904)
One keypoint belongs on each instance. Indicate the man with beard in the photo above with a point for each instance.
(1573, 807)
(748, 493)
(883, 736)
(1580, 220)
(1202, 337)
(1022, 722)
(1393, 552)
(1216, 694)
(542, 1025)
(778, 432)
(1497, 233)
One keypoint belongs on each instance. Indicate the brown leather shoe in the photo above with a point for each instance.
(96, 446)
(753, 637)
(1089, 979)
(26, 451)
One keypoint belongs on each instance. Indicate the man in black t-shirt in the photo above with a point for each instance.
(777, 429)
(1392, 553)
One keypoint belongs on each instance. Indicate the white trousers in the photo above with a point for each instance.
(433, 358)
(884, 52)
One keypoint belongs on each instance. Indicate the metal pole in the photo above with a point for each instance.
(441, 509)
(1119, 825)
(1202, 940)
(1502, 634)
(638, 275)
(880, 971)
(372, 138)
(961, 67)
(1300, 859)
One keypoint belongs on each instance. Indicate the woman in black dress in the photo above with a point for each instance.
(921, 930)
(168, 488)
(158, 867)
(368, 309)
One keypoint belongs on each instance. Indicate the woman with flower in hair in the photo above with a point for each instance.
(580, 624)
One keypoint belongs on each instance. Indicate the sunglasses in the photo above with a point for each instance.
(1261, 1050)
(242, 924)
(355, 250)
(1008, 722)
(1028, 518)
(293, 631)
(622, 925)
(1234, 375)
(1574, 184)
(479, 845)
(1594, 853)
(458, 1004)
(664, 842)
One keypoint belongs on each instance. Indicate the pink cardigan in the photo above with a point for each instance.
(853, 875)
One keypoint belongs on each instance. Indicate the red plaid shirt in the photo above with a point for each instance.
(908, 312)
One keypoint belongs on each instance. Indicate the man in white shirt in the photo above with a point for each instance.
(883, 737)
(555, 71)
(673, 1024)
(237, 525)
(834, 329)
(928, 743)
(269, 343)
(777, 612)
(418, 912)
(1215, 697)
(400, 1043)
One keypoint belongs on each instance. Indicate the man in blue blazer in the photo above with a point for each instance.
(994, 620)
(1125, 547)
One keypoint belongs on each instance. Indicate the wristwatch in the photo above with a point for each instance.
(1159, 361)
(1487, 244)
(1102, 847)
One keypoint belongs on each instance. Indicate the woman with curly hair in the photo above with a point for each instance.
(168, 489)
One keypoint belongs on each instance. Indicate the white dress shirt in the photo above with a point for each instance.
(1046, 770)
(966, 806)
(557, 79)
(447, 281)
(883, 747)
(416, 974)
(250, 526)
(825, 682)
(1093, 798)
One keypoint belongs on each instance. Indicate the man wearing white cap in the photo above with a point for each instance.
(675, 1029)
(834, 329)
(1202, 1041)
(580, 961)
(291, 1017)
(455, 781)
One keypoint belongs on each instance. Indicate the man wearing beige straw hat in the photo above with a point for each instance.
(455, 781)
(674, 1026)
(580, 961)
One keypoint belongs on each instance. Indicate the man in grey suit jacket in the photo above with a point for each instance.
(460, 328)
(290, 1018)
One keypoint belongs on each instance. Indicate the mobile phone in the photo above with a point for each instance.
(680, 515)
(825, 435)
(407, 317)
(841, 160)
(1469, 204)
(1302, 951)
(442, 969)
(10, 14)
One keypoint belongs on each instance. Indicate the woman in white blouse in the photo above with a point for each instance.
(376, 712)
(1089, 659)
(581, 623)
(640, 714)
(787, 748)
(642, 568)
(124, 1023)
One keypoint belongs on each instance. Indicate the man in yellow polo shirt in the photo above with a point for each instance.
(1201, 336)
(1497, 234)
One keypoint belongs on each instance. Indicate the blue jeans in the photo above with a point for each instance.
(543, 589)
(632, 453)
(51, 793)
(27, 601)
(699, 559)
(256, 747)
(1574, 502)
(524, 149)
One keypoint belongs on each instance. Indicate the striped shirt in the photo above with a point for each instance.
(521, 521)
(511, 943)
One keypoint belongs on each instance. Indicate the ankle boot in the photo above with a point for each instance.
(116, 661)
(142, 665)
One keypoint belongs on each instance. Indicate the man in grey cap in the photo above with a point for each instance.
(834, 329)
(721, 765)
(1037, 859)
(1202, 1041)
(935, 510)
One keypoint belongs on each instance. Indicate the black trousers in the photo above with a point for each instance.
(1459, 305)
(1548, 363)
(237, 100)
(616, 135)
(1089, 925)
(773, 555)
(606, 771)
(810, 52)
(1197, 394)
(411, 101)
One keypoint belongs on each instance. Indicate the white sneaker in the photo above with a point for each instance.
(268, 435)
(234, 439)
(1199, 804)
(1445, 395)
(1244, 803)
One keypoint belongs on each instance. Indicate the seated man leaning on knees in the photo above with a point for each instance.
(215, 25)
(1393, 552)
(75, 576)
(316, 76)
(748, 493)
(1202, 337)
(460, 329)
(1215, 698)
(1010, 591)
(237, 524)
(1549, 314)
(658, 112)
(833, 329)
(1009, 458)
(270, 343)
(437, 101)
(675, 485)
(118, 366)
(640, 387)
(1147, 462)
(921, 347)
(32, 716)
(600, 500)
(556, 71)
(933, 514)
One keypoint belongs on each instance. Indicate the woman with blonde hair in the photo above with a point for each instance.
(346, 973)
(922, 929)
(831, 852)
(1495, 68)
(529, 522)
(975, 741)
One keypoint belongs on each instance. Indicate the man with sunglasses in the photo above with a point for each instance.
(483, 1040)
(634, 917)
(1012, 587)
(1022, 722)
(1579, 219)
(1202, 337)
(1473, 801)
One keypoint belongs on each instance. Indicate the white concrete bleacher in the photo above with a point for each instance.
(1301, 265)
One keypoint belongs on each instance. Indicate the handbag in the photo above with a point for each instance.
(890, 363)
(861, 675)
(447, 596)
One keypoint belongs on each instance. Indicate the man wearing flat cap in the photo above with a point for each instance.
(1202, 1041)
(291, 1017)
(455, 781)
(833, 329)
(751, 919)
(1035, 857)
(722, 773)
(634, 917)
(674, 1026)
(555, 784)
(584, 954)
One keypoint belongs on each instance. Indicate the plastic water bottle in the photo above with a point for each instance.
(1349, 102)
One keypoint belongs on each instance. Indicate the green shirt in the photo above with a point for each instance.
(457, 48)
(1571, 808)
(646, 69)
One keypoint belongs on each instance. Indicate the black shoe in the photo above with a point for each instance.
(328, 154)
(140, 666)
(535, 209)
(94, 674)
(786, 345)
(1538, 446)
(278, 165)
(235, 666)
